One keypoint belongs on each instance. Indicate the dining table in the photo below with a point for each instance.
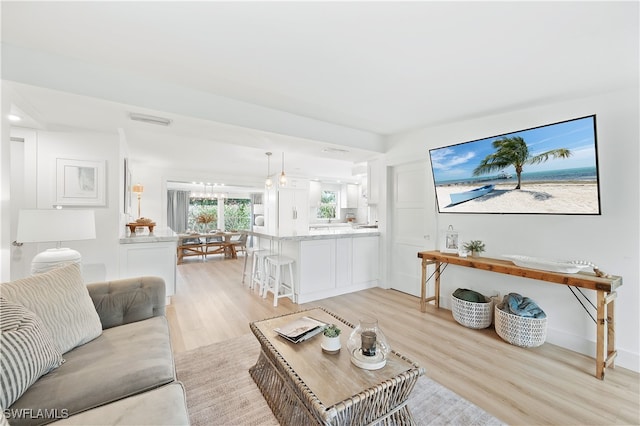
(204, 244)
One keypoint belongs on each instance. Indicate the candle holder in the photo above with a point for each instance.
(368, 346)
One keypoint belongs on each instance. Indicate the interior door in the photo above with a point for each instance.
(412, 218)
(21, 255)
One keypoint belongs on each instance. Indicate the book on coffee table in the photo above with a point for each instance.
(301, 329)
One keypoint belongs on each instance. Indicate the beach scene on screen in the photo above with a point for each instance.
(551, 169)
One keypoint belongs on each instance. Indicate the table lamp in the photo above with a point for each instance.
(55, 225)
(138, 189)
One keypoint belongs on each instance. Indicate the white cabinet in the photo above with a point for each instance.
(150, 259)
(365, 260)
(287, 211)
(293, 212)
(319, 260)
(333, 266)
(343, 262)
(373, 181)
(349, 196)
(315, 193)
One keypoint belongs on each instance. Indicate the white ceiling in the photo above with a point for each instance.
(242, 78)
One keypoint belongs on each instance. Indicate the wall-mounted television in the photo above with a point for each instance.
(550, 169)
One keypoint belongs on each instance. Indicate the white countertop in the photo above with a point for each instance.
(322, 234)
(158, 236)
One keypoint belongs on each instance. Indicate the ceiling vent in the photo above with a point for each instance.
(336, 150)
(151, 119)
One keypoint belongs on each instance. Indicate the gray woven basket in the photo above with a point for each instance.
(472, 314)
(520, 331)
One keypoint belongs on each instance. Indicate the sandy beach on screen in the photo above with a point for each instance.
(541, 197)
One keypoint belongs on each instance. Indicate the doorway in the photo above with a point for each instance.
(22, 187)
(412, 224)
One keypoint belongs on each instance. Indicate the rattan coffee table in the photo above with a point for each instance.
(303, 385)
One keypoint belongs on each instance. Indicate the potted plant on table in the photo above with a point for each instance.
(475, 247)
(331, 339)
(204, 219)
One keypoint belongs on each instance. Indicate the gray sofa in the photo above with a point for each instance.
(125, 375)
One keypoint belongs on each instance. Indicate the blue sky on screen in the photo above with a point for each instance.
(458, 161)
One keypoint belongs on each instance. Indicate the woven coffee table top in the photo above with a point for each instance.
(331, 378)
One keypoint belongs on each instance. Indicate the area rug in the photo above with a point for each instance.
(220, 390)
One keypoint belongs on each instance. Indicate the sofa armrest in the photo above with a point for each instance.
(128, 300)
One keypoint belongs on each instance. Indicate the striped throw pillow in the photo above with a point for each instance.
(27, 351)
(62, 302)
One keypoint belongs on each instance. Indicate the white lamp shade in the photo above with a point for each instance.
(45, 225)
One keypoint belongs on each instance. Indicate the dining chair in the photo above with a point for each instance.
(241, 243)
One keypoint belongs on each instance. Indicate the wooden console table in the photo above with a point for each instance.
(604, 288)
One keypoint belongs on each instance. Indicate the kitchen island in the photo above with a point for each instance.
(328, 262)
(151, 253)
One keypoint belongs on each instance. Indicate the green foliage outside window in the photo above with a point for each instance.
(328, 204)
(236, 214)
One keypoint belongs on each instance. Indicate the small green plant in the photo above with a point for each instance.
(331, 331)
(474, 246)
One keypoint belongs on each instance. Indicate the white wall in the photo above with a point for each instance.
(609, 240)
(5, 189)
(99, 256)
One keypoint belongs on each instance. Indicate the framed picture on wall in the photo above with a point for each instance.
(80, 182)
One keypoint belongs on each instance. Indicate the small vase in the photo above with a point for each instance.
(330, 345)
(475, 254)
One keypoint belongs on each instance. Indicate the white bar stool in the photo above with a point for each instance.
(250, 252)
(259, 270)
(273, 267)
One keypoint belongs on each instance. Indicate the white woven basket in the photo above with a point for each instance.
(472, 314)
(521, 331)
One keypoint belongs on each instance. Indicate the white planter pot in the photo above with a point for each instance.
(330, 344)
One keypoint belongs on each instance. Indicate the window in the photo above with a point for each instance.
(237, 212)
(203, 214)
(328, 205)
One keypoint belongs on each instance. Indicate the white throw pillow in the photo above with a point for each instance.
(61, 300)
(27, 351)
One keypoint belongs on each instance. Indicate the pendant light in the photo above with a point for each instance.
(268, 183)
(283, 177)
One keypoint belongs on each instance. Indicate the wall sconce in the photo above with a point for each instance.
(138, 189)
(268, 183)
(283, 177)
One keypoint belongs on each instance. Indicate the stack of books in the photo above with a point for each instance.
(301, 329)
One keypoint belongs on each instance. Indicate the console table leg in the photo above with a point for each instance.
(437, 286)
(423, 286)
(611, 334)
(600, 346)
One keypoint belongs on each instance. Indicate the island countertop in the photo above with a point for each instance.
(321, 234)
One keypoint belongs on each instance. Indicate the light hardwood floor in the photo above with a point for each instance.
(538, 386)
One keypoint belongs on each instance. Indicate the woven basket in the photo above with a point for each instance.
(520, 331)
(472, 314)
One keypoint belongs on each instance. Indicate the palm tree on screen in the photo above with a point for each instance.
(514, 152)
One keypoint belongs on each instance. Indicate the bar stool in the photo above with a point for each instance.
(273, 268)
(250, 252)
(259, 269)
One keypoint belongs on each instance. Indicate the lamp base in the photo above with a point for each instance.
(54, 258)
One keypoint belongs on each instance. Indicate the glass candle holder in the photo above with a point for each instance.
(367, 345)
